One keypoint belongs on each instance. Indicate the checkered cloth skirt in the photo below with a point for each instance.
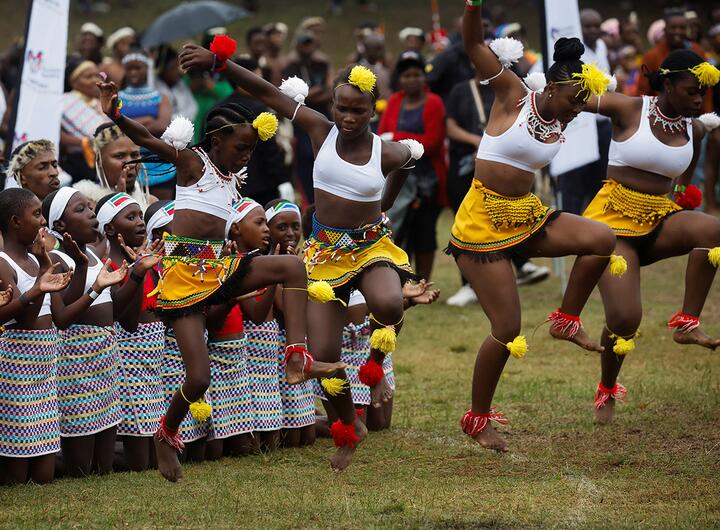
(141, 390)
(262, 361)
(29, 417)
(87, 380)
(298, 401)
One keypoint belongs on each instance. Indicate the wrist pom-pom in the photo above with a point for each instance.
(518, 347)
(618, 265)
(179, 133)
(508, 50)
(710, 120)
(612, 83)
(416, 148)
(223, 47)
(363, 78)
(321, 292)
(200, 410)
(334, 386)
(384, 339)
(343, 435)
(371, 373)
(706, 74)
(592, 80)
(295, 88)
(536, 81)
(714, 256)
(266, 125)
(689, 199)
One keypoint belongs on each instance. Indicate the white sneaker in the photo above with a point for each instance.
(463, 297)
(531, 273)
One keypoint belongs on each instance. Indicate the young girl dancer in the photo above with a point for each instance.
(499, 216)
(87, 351)
(349, 246)
(141, 344)
(194, 274)
(655, 143)
(29, 427)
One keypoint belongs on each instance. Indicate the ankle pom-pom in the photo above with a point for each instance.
(334, 386)
(623, 346)
(602, 394)
(321, 292)
(384, 339)
(518, 347)
(473, 423)
(200, 410)
(371, 373)
(714, 256)
(343, 435)
(618, 265)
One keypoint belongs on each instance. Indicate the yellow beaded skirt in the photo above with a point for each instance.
(628, 212)
(487, 224)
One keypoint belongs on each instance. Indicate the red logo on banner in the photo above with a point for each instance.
(34, 60)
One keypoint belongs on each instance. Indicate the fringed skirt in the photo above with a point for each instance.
(87, 380)
(489, 226)
(141, 389)
(229, 392)
(29, 417)
(262, 362)
(298, 402)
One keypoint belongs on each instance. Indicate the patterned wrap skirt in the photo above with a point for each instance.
(87, 380)
(262, 363)
(29, 416)
(298, 402)
(141, 389)
(229, 392)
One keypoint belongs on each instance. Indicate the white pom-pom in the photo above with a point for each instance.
(710, 120)
(508, 50)
(612, 82)
(536, 81)
(416, 148)
(179, 133)
(295, 88)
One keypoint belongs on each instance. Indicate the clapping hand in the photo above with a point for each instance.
(73, 250)
(39, 250)
(106, 277)
(6, 296)
(52, 282)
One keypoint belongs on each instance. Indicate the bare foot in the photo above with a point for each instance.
(167, 461)
(343, 455)
(580, 338)
(380, 393)
(489, 438)
(295, 373)
(696, 337)
(605, 414)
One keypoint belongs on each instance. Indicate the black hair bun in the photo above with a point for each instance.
(568, 49)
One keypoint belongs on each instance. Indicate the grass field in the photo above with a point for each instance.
(656, 467)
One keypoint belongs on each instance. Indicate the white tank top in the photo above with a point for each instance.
(645, 152)
(212, 194)
(349, 181)
(517, 147)
(92, 274)
(25, 282)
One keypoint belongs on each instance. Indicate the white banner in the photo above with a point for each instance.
(562, 19)
(39, 108)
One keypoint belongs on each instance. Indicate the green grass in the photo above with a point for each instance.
(656, 467)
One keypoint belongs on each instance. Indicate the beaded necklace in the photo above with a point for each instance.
(539, 128)
(232, 181)
(656, 116)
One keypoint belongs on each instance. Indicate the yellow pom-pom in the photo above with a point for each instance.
(334, 386)
(618, 265)
(707, 74)
(363, 78)
(380, 105)
(518, 347)
(321, 292)
(714, 256)
(592, 80)
(266, 125)
(200, 410)
(622, 346)
(383, 339)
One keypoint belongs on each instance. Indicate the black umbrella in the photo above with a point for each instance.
(189, 19)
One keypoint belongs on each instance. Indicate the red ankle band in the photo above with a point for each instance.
(170, 437)
(684, 323)
(371, 373)
(603, 394)
(566, 324)
(343, 435)
(301, 349)
(473, 423)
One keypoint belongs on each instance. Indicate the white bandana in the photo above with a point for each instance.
(113, 206)
(282, 207)
(58, 205)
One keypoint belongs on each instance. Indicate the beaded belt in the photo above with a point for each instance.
(642, 208)
(513, 211)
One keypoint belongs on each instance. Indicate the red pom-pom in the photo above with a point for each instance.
(223, 47)
(690, 199)
(343, 435)
(371, 373)
(360, 412)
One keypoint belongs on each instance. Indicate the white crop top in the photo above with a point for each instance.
(517, 147)
(212, 194)
(24, 284)
(349, 181)
(92, 274)
(645, 152)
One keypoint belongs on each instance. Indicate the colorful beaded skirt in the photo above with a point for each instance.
(298, 402)
(262, 363)
(229, 392)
